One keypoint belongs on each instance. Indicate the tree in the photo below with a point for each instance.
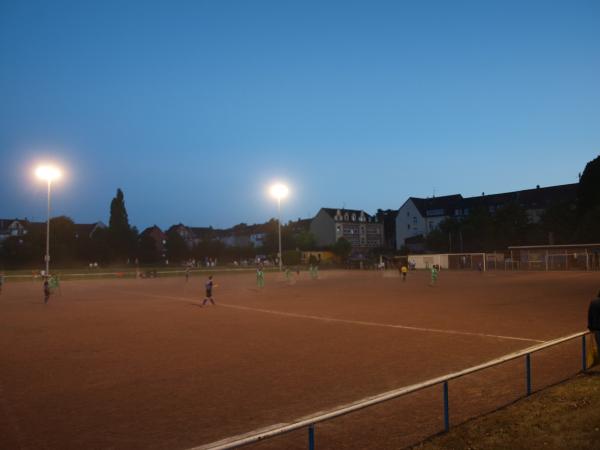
(510, 227)
(121, 239)
(63, 242)
(588, 203)
(291, 257)
(558, 224)
(177, 249)
(16, 252)
(588, 191)
(147, 250)
(95, 249)
(306, 241)
(342, 249)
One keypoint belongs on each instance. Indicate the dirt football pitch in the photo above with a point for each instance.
(132, 364)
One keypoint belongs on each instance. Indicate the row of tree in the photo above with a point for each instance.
(120, 243)
(561, 223)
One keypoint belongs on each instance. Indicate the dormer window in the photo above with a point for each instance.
(346, 217)
(353, 217)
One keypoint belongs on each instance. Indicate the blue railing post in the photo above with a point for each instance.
(446, 412)
(528, 371)
(311, 436)
(583, 354)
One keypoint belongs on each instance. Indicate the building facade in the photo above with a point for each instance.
(362, 230)
(417, 217)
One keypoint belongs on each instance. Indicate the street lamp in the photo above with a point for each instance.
(279, 191)
(49, 174)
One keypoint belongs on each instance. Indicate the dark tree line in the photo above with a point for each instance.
(121, 244)
(561, 223)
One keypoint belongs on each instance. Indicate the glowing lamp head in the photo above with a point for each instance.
(279, 191)
(48, 173)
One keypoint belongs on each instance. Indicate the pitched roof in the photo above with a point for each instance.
(529, 198)
(437, 206)
(5, 223)
(86, 229)
(332, 212)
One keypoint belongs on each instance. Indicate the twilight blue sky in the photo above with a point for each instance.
(193, 107)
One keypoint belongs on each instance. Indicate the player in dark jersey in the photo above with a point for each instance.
(209, 286)
(46, 290)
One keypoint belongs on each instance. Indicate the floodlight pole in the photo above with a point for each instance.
(47, 257)
(279, 225)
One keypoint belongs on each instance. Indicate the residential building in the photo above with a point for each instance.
(186, 233)
(13, 228)
(160, 239)
(87, 230)
(388, 219)
(417, 217)
(362, 230)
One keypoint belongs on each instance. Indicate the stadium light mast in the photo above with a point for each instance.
(279, 191)
(48, 174)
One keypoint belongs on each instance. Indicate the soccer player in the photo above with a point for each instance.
(47, 291)
(54, 283)
(434, 274)
(288, 274)
(187, 273)
(208, 286)
(260, 277)
(404, 271)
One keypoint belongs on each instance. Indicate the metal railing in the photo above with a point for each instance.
(310, 421)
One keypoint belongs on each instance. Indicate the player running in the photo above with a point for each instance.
(209, 287)
(47, 291)
(260, 277)
(404, 271)
(434, 275)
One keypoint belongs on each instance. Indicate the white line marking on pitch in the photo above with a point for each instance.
(376, 324)
(348, 321)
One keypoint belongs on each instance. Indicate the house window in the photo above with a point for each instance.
(339, 229)
(353, 217)
(415, 220)
(346, 217)
(409, 226)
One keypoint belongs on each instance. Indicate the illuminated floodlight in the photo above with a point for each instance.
(279, 191)
(48, 173)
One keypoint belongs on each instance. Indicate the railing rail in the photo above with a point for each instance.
(310, 421)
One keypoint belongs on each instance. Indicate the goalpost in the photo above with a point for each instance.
(467, 261)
